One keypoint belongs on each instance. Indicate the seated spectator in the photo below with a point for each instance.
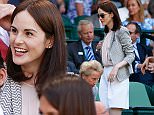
(136, 14)
(79, 8)
(148, 65)
(85, 48)
(68, 95)
(141, 52)
(118, 3)
(151, 8)
(91, 71)
(145, 6)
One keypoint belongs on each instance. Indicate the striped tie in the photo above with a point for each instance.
(90, 55)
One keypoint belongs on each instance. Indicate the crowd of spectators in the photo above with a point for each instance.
(95, 61)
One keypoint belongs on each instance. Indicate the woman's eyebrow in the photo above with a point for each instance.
(30, 30)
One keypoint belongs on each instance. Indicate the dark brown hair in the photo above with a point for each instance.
(111, 8)
(70, 95)
(1, 62)
(48, 17)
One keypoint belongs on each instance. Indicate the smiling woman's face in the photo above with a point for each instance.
(27, 40)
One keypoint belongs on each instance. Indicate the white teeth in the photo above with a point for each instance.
(20, 50)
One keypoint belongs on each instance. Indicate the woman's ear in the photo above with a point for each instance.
(3, 76)
(50, 42)
(111, 14)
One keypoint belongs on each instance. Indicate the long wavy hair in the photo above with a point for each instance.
(140, 13)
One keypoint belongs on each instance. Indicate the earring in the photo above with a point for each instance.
(49, 46)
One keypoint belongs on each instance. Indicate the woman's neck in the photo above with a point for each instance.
(110, 25)
(136, 18)
(30, 81)
(30, 72)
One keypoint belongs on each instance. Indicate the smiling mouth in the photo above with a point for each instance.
(20, 50)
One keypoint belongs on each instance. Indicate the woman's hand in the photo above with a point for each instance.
(6, 11)
(113, 73)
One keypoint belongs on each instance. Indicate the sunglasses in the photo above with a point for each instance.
(102, 15)
(132, 32)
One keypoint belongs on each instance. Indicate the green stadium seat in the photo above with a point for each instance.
(150, 92)
(127, 112)
(138, 96)
(68, 26)
(66, 21)
(78, 18)
(143, 111)
(139, 100)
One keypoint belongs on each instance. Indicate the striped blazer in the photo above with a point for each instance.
(11, 98)
(122, 49)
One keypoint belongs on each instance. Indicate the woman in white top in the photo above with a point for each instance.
(37, 52)
(117, 58)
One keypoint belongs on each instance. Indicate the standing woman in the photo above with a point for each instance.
(37, 53)
(117, 56)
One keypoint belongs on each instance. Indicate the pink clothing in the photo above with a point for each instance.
(3, 49)
(105, 50)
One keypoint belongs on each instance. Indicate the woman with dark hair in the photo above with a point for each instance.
(117, 57)
(69, 95)
(36, 54)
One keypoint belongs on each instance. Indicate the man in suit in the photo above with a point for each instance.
(79, 51)
(141, 52)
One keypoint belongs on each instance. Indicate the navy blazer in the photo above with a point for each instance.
(147, 78)
(76, 53)
(143, 52)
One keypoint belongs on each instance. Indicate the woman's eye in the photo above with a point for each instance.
(14, 30)
(29, 34)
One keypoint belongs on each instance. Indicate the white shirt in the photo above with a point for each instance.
(137, 54)
(136, 51)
